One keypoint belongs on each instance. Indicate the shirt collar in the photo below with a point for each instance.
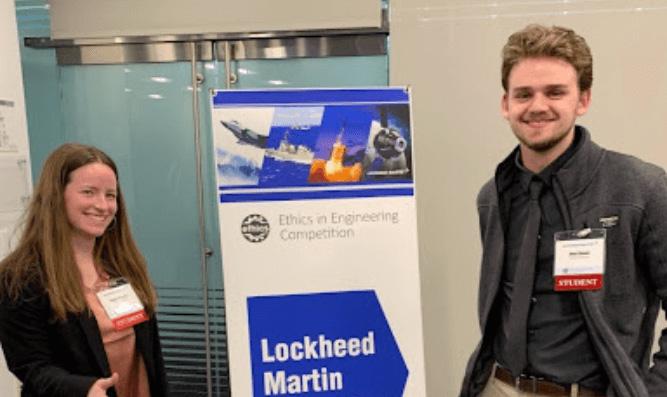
(526, 176)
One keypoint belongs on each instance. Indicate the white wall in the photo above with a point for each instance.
(449, 52)
(14, 156)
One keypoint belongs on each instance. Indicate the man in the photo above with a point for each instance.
(574, 242)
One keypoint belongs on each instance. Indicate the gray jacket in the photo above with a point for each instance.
(595, 188)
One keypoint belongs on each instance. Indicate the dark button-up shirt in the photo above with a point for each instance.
(558, 346)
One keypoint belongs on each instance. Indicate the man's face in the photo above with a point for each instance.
(542, 103)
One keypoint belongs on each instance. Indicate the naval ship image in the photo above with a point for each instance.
(289, 152)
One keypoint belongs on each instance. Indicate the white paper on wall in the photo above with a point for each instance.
(8, 126)
(14, 182)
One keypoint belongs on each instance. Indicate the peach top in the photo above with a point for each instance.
(120, 347)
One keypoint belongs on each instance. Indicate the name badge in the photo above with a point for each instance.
(579, 260)
(122, 305)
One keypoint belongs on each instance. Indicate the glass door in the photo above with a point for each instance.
(142, 112)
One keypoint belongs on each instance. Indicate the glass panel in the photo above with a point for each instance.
(142, 115)
(40, 83)
(366, 71)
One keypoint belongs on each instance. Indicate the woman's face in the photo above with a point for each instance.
(90, 200)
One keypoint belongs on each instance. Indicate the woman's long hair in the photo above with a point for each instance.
(44, 257)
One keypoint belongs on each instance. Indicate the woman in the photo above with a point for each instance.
(75, 248)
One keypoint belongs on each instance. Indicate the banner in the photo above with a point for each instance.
(319, 242)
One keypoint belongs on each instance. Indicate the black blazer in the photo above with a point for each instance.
(52, 358)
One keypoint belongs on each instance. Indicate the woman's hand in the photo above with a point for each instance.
(99, 388)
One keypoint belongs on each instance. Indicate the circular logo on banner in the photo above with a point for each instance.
(255, 228)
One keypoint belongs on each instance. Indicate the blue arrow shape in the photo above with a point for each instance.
(323, 344)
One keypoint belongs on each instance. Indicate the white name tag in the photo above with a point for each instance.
(123, 306)
(579, 260)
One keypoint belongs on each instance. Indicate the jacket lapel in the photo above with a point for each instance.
(91, 330)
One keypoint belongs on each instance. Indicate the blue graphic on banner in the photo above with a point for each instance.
(268, 195)
(326, 344)
(308, 138)
(310, 96)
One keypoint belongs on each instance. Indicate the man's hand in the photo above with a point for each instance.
(99, 388)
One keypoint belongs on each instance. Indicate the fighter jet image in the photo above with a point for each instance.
(245, 135)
